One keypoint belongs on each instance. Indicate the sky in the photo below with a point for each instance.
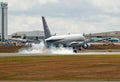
(64, 16)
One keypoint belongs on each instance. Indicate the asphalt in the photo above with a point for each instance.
(46, 54)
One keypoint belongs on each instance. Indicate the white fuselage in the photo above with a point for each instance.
(65, 39)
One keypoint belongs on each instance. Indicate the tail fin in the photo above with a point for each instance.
(46, 29)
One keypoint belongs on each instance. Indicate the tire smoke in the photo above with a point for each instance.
(40, 48)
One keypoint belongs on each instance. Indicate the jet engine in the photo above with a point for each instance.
(79, 46)
(85, 46)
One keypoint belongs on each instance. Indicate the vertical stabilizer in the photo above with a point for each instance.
(46, 29)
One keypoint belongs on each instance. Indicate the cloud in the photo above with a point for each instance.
(64, 7)
(24, 23)
(108, 6)
(25, 5)
(19, 5)
(63, 16)
(42, 2)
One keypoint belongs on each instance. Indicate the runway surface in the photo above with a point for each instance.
(46, 54)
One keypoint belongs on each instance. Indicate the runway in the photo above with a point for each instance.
(46, 54)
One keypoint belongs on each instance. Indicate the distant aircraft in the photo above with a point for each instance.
(76, 41)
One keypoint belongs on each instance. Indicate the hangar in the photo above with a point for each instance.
(112, 34)
(31, 35)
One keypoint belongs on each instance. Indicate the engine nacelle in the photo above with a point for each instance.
(85, 46)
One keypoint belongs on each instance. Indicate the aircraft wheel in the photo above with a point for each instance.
(75, 51)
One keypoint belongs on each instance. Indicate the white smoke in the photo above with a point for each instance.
(40, 48)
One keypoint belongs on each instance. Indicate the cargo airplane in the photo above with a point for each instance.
(76, 41)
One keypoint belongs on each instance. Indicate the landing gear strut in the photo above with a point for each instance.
(76, 49)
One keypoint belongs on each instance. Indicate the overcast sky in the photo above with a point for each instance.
(64, 16)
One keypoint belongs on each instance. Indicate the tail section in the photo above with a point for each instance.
(46, 29)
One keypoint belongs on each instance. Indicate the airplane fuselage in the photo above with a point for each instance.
(65, 40)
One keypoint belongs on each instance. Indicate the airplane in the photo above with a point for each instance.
(75, 41)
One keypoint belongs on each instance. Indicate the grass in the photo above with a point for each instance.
(29, 58)
(72, 67)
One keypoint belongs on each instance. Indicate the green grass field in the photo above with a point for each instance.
(76, 67)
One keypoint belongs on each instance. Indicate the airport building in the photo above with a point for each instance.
(3, 21)
(112, 34)
(31, 35)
